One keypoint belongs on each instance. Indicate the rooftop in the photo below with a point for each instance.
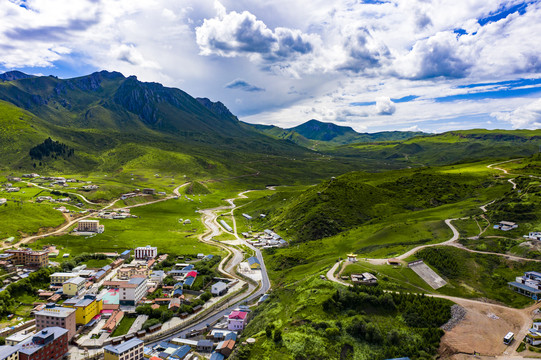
(56, 311)
(41, 339)
(125, 346)
(524, 287)
(6, 351)
(76, 280)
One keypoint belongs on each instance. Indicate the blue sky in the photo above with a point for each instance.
(374, 65)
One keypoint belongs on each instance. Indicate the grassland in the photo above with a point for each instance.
(156, 224)
(124, 326)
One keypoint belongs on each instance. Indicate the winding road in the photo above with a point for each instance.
(524, 314)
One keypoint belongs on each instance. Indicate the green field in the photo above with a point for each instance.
(156, 225)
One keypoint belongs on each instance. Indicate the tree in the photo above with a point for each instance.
(277, 335)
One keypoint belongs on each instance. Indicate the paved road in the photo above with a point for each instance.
(214, 229)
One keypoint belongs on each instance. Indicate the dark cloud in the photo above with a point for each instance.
(364, 53)
(240, 84)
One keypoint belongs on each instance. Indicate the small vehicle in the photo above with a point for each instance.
(508, 339)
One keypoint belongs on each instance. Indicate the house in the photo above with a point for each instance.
(53, 315)
(364, 278)
(219, 288)
(113, 321)
(247, 217)
(506, 225)
(180, 353)
(157, 276)
(50, 343)
(534, 235)
(237, 320)
(174, 304)
(128, 350)
(125, 254)
(74, 286)
(200, 255)
(216, 356)
(529, 284)
(86, 309)
(225, 347)
(254, 263)
(205, 346)
(352, 258)
(146, 252)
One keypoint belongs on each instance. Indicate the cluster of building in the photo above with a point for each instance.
(137, 192)
(118, 214)
(218, 343)
(506, 225)
(267, 239)
(24, 257)
(8, 187)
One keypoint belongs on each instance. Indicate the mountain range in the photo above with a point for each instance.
(110, 122)
(314, 132)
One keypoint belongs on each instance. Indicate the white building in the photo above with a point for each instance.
(219, 288)
(132, 291)
(90, 226)
(146, 252)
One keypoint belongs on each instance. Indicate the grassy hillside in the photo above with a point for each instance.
(350, 200)
(449, 148)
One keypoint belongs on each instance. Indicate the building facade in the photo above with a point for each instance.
(85, 309)
(237, 320)
(60, 278)
(88, 226)
(132, 291)
(58, 316)
(74, 286)
(28, 257)
(146, 252)
(48, 344)
(128, 350)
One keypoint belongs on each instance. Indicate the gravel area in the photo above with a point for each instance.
(457, 315)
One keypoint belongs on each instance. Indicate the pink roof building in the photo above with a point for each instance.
(237, 320)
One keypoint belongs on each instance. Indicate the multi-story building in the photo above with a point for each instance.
(59, 278)
(146, 252)
(50, 343)
(53, 315)
(29, 257)
(128, 350)
(8, 352)
(18, 337)
(86, 308)
(89, 226)
(132, 291)
(74, 286)
(237, 320)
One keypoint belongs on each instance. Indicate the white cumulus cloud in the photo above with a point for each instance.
(524, 117)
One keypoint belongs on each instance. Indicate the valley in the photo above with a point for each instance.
(287, 220)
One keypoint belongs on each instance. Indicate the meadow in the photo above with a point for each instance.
(156, 224)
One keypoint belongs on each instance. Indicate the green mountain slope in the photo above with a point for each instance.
(448, 148)
(315, 134)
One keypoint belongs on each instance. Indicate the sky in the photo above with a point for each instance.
(373, 65)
